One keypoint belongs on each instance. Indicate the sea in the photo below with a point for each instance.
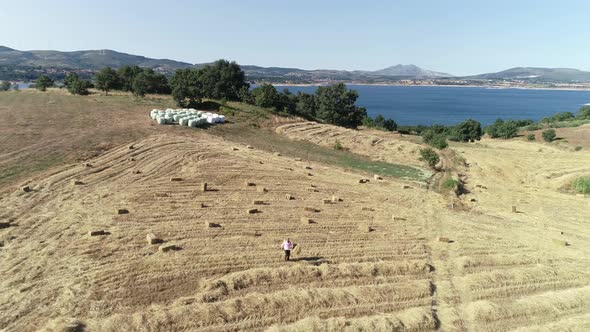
(428, 105)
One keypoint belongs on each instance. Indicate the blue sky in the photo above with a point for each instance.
(458, 37)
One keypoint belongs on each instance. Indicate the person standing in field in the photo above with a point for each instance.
(287, 246)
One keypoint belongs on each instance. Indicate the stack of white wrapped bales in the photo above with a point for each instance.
(185, 117)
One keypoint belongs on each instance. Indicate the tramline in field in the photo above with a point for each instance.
(186, 117)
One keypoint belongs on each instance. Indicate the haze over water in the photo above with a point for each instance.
(427, 105)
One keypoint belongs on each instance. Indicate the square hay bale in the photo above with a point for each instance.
(212, 225)
(443, 239)
(307, 221)
(234, 149)
(252, 211)
(249, 184)
(405, 186)
(26, 189)
(204, 186)
(397, 218)
(366, 228)
(363, 180)
(175, 179)
(307, 167)
(289, 197)
(131, 147)
(257, 202)
(261, 189)
(122, 211)
(377, 177)
(312, 189)
(561, 243)
(136, 171)
(278, 154)
(131, 159)
(309, 174)
(77, 183)
(327, 201)
(87, 165)
(96, 233)
(514, 210)
(298, 159)
(159, 195)
(152, 239)
(310, 209)
(167, 247)
(364, 208)
(335, 199)
(4, 225)
(249, 147)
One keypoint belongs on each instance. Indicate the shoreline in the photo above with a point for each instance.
(440, 85)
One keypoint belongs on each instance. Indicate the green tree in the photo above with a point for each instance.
(107, 80)
(502, 129)
(43, 82)
(266, 95)
(306, 105)
(336, 105)
(379, 121)
(5, 86)
(127, 75)
(245, 95)
(148, 81)
(141, 84)
(429, 156)
(390, 125)
(584, 113)
(222, 80)
(467, 131)
(186, 87)
(549, 135)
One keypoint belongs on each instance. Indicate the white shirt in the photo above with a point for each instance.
(287, 245)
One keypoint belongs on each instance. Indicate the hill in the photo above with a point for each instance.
(89, 60)
(535, 74)
(409, 71)
(387, 254)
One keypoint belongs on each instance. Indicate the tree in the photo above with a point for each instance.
(435, 137)
(75, 85)
(306, 105)
(186, 86)
(467, 131)
(141, 85)
(379, 121)
(266, 95)
(43, 82)
(429, 156)
(584, 113)
(502, 129)
(390, 125)
(336, 105)
(222, 80)
(148, 81)
(5, 86)
(549, 135)
(107, 80)
(245, 95)
(127, 75)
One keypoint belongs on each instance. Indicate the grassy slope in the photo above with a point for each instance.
(44, 130)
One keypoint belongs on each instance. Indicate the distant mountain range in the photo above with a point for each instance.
(19, 65)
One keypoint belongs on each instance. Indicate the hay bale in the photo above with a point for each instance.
(297, 159)
(363, 180)
(261, 189)
(289, 197)
(159, 195)
(249, 184)
(377, 177)
(96, 233)
(327, 201)
(307, 221)
(152, 239)
(252, 211)
(122, 211)
(561, 243)
(307, 167)
(131, 159)
(310, 209)
(204, 186)
(312, 189)
(234, 149)
(249, 147)
(136, 171)
(4, 225)
(309, 174)
(77, 183)
(212, 225)
(175, 179)
(26, 189)
(87, 165)
(405, 186)
(278, 154)
(364, 208)
(257, 202)
(335, 199)
(167, 247)
(397, 218)
(443, 239)
(514, 209)
(131, 147)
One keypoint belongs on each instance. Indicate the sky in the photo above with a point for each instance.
(457, 37)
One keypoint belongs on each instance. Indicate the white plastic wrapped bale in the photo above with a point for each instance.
(202, 121)
(192, 123)
(162, 120)
(183, 122)
(176, 117)
(222, 119)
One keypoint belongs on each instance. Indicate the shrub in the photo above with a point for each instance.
(530, 137)
(5, 86)
(338, 146)
(450, 183)
(429, 156)
(584, 113)
(43, 82)
(549, 135)
(582, 185)
(467, 131)
(578, 148)
(503, 129)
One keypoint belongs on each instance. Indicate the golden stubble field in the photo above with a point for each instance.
(370, 255)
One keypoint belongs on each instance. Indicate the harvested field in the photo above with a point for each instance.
(377, 257)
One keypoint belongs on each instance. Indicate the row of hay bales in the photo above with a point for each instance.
(185, 117)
